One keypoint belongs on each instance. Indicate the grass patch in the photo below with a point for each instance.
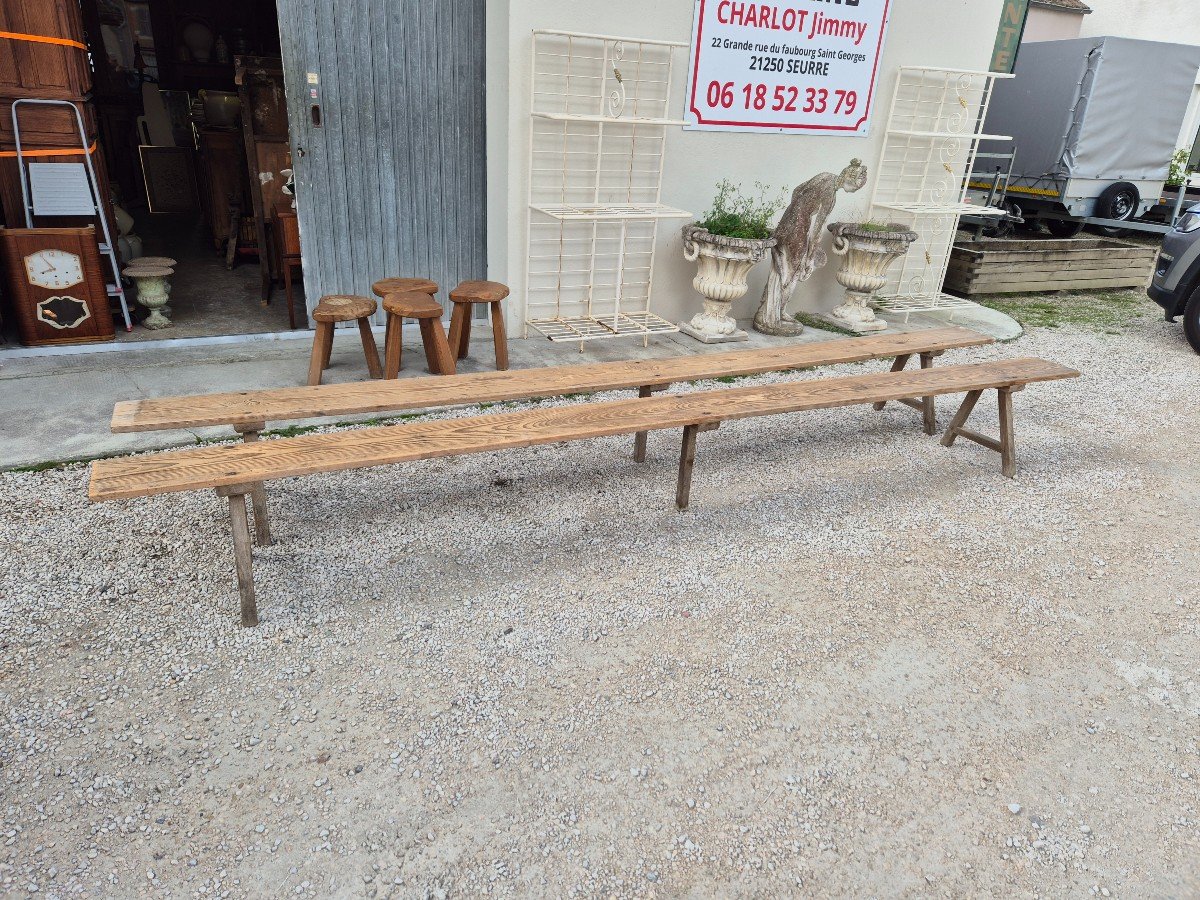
(58, 463)
(1108, 312)
(821, 325)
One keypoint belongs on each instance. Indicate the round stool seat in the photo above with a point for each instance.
(479, 292)
(403, 285)
(412, 305)
(343, 308)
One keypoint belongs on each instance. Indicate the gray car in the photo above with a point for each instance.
(1176, 284)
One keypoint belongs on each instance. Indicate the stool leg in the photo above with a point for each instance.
(322, 340)
(456, 325)
(437, 350)
(327, 347)
(369, 349)
(499, 337)
(393, 339)
(464, 312)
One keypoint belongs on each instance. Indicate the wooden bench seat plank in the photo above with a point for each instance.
(288, 404)
(254, 463)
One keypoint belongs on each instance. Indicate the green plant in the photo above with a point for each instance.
(875, 226)
(1179, 170)
(739, 215)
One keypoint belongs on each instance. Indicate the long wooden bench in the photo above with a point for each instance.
(237, 470)
(249, 411)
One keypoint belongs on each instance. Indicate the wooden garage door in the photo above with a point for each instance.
(389, 153)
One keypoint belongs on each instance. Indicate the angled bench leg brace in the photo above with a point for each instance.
(687, 460)
(1006, 446)
(925, 404)
(262, 525)
(639, 439)
(242, 552)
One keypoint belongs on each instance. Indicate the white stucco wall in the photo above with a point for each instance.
(1051, 25)
(951, 33)
(1175, 21)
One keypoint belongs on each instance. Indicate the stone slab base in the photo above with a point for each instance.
(858, 328)
(687, 329)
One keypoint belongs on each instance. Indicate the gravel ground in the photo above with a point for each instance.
(860, 665)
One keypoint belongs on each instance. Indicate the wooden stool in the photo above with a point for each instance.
(342, 308)
(403, 286)
(464, 297)
(428, 312)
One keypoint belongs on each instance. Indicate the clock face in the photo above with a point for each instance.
(53, 269)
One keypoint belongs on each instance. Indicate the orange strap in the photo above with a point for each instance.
(8, 154)
(41, 39)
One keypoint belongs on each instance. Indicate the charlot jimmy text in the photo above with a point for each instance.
(774, 18)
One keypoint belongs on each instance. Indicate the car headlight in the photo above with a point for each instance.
(1189, 223)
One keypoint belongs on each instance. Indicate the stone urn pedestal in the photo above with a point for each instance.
(722, 264)
(152, 292)
(867, 252)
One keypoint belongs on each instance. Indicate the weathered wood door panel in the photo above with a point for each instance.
(386, 111)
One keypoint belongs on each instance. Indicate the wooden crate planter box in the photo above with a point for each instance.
(1030, 267)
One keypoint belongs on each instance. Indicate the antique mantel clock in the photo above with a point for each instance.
(55, 286)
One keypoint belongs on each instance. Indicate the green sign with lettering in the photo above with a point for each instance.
(1008, 38)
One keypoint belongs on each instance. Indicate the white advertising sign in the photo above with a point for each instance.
(805, 66)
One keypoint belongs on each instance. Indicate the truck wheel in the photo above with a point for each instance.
(1063, 228)
(1118, 201)
(1191, 320)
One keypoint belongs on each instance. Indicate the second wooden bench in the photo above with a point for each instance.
(236, 471)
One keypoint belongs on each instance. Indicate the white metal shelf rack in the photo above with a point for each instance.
(933, 134)
(597, 135)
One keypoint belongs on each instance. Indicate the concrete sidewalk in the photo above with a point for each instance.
(58, 407)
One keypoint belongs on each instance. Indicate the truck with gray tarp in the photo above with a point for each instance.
(1094, 123)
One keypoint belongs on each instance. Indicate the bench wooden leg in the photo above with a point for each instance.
(1006, 446)
(926, 404)
(687, 460)
(960, 418)
(322, 345)
(1008, 441)
(393, 346)
(370, 350)
(639, 438)
(899, 363)
(499, 337)
(242, 554)
(928, 410)
(258, 494)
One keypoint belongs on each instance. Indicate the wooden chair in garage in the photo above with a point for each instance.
(428, 312)
(464, 297)
(342, 308)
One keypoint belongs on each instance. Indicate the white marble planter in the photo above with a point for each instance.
(722, 264)
(867, 254)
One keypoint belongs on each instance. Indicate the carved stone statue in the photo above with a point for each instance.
(797, 253)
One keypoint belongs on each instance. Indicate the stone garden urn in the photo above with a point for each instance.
(722, 264)
(867, 252)
(156, 262)
(152, 292)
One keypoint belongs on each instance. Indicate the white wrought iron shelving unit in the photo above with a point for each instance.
(933, 135)
(597, 135)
